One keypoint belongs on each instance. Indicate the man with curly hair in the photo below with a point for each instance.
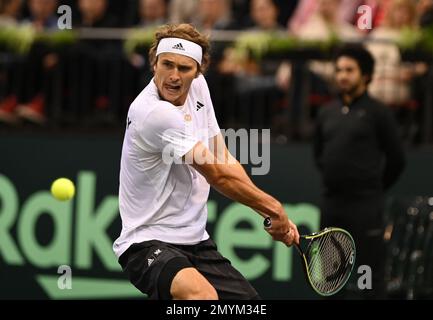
(172, 152)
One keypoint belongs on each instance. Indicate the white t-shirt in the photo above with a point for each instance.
(161, 198)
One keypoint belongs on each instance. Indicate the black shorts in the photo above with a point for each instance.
(152, 265)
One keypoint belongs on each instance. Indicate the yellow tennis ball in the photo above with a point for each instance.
(63, 189)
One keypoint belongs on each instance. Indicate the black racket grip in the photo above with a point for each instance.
(267, 223)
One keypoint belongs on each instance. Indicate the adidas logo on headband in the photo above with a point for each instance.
(178, 46)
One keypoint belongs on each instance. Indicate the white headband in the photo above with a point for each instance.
(180, 46)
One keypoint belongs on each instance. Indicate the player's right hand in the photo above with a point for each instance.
(283, 229)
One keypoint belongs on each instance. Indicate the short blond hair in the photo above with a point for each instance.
(183, 31)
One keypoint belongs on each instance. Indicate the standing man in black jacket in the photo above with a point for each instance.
(359, 154)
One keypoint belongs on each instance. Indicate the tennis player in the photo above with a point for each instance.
(172, 152)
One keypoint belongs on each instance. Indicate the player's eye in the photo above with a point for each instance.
(185, 69)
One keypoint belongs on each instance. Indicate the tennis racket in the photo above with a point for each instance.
(328, 258)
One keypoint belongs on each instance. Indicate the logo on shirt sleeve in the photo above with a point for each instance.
(199, 105)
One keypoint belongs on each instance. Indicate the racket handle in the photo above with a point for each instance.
(299, 249)
(267, 223)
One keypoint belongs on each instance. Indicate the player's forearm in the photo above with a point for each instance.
(234, 183)
(228, 177)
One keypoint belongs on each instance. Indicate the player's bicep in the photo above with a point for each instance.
(204, 161)
(218, 147)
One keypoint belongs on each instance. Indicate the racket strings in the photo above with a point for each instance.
(329, 261)
(329, 270)
(339, 261)
(322, 266)
(345, 251)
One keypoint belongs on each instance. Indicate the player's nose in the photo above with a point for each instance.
(174, 75)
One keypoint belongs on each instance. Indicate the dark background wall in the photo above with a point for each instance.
(38, 233)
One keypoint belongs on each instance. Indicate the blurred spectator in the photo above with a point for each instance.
(94, 14)
(147, 13)
(214, 15)
(349, 10)
(303, 11)
(392, 77)
(95, 68)
(152, 13)
(325, 23)
(182, 11)
(9, 12)
(43, 14)
(9, 83)
(264, 14)
(424, 11)
(34, 71)
(241, 11)
(254, 85)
